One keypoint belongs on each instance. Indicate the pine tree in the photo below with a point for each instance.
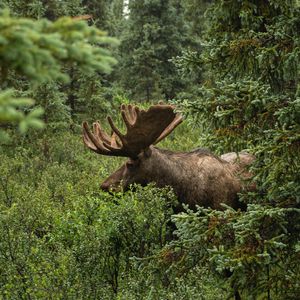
(154, 34)
(37, 52)
(249, 99)
(66, 99)
(51, 9)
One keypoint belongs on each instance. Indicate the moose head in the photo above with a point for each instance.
(145, 128)
(197, 177)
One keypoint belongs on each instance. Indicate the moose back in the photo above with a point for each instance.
(197, 177)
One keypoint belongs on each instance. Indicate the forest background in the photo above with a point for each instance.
(231, 67)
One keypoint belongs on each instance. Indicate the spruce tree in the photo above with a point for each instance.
(62, 95)
(155, 33)
(51, 9)
(250, 100)
(35, 54)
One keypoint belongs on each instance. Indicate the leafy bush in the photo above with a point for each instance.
(56, 243)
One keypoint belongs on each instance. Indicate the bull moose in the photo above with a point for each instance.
(197, 177)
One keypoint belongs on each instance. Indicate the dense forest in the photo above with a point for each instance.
(231, 68)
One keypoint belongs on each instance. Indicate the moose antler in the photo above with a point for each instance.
(144, 128)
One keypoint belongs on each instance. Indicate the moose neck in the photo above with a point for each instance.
(167, 168)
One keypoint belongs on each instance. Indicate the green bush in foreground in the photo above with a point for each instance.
(76, 247)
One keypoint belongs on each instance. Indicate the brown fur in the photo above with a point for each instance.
(197, 177)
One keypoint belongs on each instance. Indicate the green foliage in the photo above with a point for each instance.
(51, 10)
(259, 244)
(194, 16)
(9, 112)
(37, 49)
(249, 99)
(154, 34)
(257, 40)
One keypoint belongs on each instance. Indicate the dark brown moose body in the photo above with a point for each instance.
(197, 177)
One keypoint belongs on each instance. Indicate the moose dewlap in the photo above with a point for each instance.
(197, 177)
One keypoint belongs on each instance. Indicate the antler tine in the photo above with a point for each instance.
(101, 133)
(92, 142)
(129, 113)
(132, 113)
(88, 142)
(98, 135)
(115, 129)
(114, 141)
(105, 146)
(178, 119)
(126, 117)
(144, 128)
